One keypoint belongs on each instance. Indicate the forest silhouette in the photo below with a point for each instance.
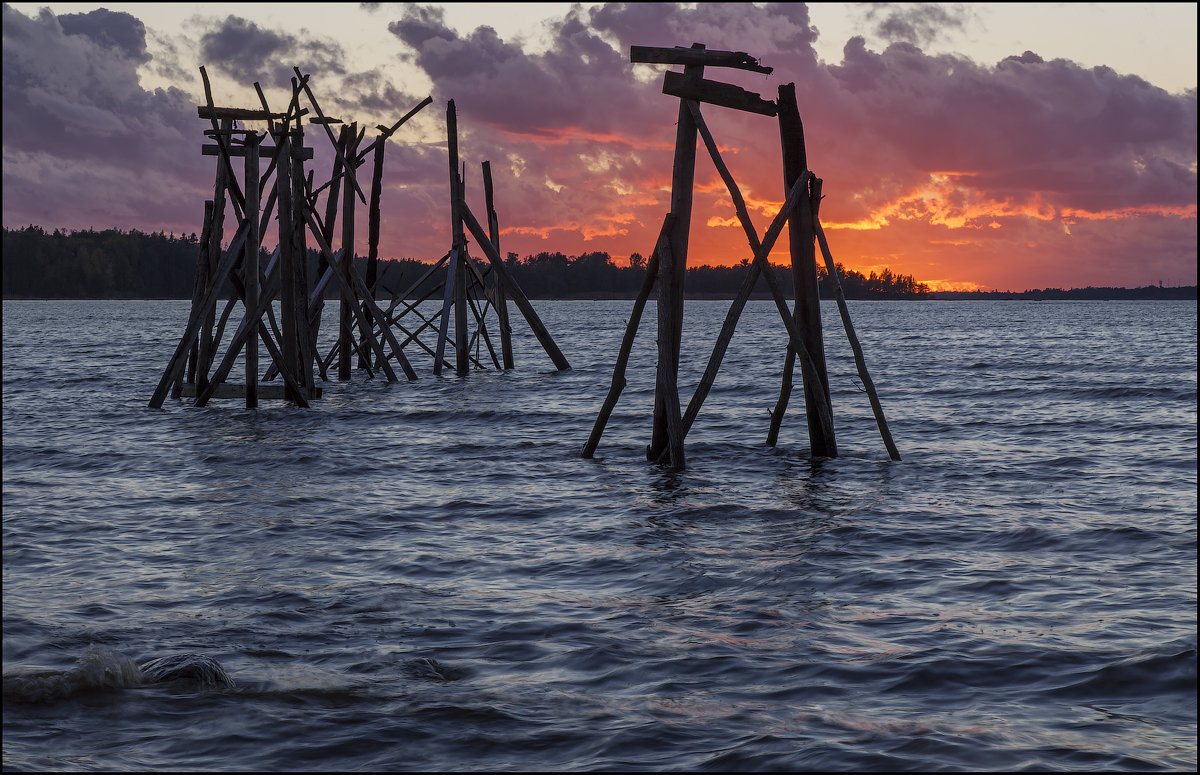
(115, 264)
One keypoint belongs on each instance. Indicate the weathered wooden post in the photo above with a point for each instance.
(293, 318)
(373, 233)
(346, 317)
(250, 265)
(452, 274)
(198, 287)
(206, 347)
(807, 314)
(671, 277)
(329, 224)
(497, 287)
(459, 258)
(456, 277)
(299, 246)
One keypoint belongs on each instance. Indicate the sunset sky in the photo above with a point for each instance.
(1005, 146)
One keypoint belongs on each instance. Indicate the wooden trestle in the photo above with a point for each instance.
(667, 265)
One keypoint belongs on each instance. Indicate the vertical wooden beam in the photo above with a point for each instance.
(250, 266)
(305, 331)
(292, 320)
(501, 296)
(206, 347)
(372, 274)
(460, 244)
(198, 286)
(462, 352)
(807, 310)
(667, 378)
(670, 324)
(346, 318)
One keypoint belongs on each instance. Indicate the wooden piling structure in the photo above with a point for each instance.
(238, 267)
(667, 264)
(212, 343)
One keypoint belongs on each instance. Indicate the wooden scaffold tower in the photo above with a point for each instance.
(190, 369)
(293, 344)
(667, 265)
(363, 327)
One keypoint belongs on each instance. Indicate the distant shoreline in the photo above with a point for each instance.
(1150, 293)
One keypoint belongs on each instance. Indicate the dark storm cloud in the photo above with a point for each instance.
(756, 30)
(77, 95)
(497, 82)
(249, 53)
(1061, 128)
(919, 24)
(110, 29)
(82, 139)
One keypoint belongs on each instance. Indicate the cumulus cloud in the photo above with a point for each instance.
(918, 24)
(77, 124)
(249, 53)
(115, 30)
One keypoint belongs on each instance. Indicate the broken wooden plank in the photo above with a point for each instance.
(240, 150)
(692, 56)
(241, 114)
(714, 92)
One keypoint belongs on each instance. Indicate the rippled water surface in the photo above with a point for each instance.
(428, 576)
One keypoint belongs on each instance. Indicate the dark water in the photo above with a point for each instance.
(426, 575)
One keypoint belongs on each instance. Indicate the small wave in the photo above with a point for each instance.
(1153, 674)
(430, 668)
(97, 670)
(100, 670)
(192, 668)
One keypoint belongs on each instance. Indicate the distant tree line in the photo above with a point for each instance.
(115, 264)
(1148, 293)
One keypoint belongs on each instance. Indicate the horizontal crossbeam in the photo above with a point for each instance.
(692, 56)
(243, 114)
(714, 92)
(264, 150)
